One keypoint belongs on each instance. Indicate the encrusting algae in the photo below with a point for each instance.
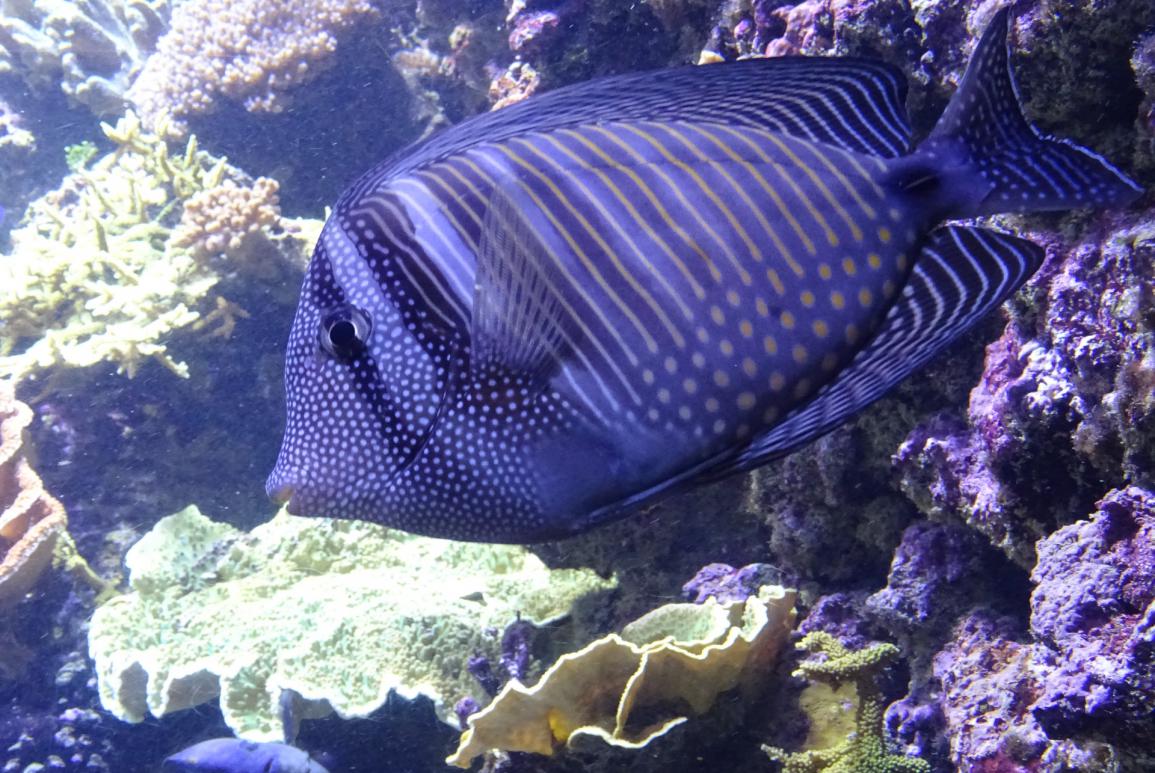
(111, 264)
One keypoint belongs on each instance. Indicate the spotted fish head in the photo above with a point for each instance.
(363, 389)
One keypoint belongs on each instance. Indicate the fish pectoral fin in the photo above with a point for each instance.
(960, 275)
(519, 323)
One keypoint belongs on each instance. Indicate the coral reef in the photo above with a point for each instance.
(95, 277)
(14, 137)
(1093, 623)
(724, 583)
(90, 49)
(250, 52)
(31, 519)
(863, 750)
(628, 689)
(206, 616)
(1067, 387)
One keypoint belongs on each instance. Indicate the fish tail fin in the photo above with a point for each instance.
(984, 130)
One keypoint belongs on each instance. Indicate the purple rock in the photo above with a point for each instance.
(1093, 618)
(725, 583)
(840, 615)
(481, 669)
(937, 572)
(515, 649)
(464, 709)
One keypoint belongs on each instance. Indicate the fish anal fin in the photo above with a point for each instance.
(518, 323)
(961, 275)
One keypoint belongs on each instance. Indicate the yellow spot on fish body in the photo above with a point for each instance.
(787, 320)
(726, 347)
(770, 344)
(722, 378)
(671, 365)
(684, 413)
(849, 266)
(777, 381)
(690, 385)
(703, 335)
(733, 298)
(746, 328)
(749, 367)
(807, 298)
(800, 354)
(717, 315)
(648, 376)
(884, 234)
(838, 300)
(664, 395)
(761, 307)
(824, 270)
(747, 400)
(820, 328)
(874, 260)
(712, 405)
(865, 297)
(698, 359)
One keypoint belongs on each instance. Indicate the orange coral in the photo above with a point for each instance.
(250, 51)
(219, 220)
(31, 520)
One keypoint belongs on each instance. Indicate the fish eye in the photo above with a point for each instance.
(344, 331)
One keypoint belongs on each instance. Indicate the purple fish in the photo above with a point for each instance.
(233, 755)
(551, 315)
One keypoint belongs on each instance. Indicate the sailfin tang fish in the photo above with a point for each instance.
(547, 316)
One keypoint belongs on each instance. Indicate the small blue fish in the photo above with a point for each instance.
(232, 755)
(550, 315)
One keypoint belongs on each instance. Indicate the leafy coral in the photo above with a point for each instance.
(864, 751)
(318, 614)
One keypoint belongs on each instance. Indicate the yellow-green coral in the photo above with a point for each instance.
(627, 690)
(332, 615)
(864, 750)
(94, 276)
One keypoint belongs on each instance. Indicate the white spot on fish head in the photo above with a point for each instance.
(361, 391)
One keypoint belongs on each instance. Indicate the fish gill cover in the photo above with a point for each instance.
(548, 316)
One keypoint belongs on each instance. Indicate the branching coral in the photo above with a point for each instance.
(864, 751)
(248, 51)
(91, 48)
(94, 277)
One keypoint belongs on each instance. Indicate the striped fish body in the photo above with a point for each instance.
(547, 317)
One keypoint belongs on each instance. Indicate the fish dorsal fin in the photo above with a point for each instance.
(855, 104)
(518, 323)
(961, 275)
